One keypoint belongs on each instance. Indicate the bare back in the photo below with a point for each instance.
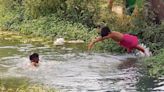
(116, 36)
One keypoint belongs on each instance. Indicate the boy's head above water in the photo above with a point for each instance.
(34, 57)
(103, 30)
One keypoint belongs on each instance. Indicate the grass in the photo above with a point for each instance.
(22, 85)
(21, 38)
(155, 64)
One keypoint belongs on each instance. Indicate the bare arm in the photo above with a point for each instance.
(96, 40)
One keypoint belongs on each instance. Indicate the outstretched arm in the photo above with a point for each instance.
(96, 40)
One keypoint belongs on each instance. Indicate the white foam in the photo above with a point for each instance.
(6, 47)
(148, 53)
(161, 83)
(160, 88)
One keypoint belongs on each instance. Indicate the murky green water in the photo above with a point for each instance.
(70, 68)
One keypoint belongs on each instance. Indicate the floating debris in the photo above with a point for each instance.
(59, 41)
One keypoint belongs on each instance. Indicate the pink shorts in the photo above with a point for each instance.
(129, 41)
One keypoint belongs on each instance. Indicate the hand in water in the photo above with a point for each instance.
(89, 48)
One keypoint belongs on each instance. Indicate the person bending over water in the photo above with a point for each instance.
(127, 41)
(34, 58)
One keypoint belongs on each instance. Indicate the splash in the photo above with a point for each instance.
(148, 53)
(82, 72)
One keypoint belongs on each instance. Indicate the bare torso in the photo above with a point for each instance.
(116, 36)
(35, 64)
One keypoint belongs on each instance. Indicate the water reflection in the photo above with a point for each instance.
(128, 63)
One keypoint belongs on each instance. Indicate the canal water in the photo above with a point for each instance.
(70, 68)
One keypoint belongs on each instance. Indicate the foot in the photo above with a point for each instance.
(147, 53)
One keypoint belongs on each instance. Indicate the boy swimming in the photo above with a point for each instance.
(34, 58)
(127, 41)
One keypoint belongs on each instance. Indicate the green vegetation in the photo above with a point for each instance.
(153, 36)
(155, 64)
(21, 85)
(27, 17)
(12, 84)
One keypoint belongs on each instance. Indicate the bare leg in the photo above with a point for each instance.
(138, 47)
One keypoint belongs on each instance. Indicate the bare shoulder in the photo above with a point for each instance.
(116, 32)
(34, 64)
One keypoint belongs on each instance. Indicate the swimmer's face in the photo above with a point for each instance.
(36, 60)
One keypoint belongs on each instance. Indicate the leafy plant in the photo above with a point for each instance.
(21, 85)
(155, 64)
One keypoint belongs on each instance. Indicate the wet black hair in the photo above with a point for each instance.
(105, 31)
(34, 55)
